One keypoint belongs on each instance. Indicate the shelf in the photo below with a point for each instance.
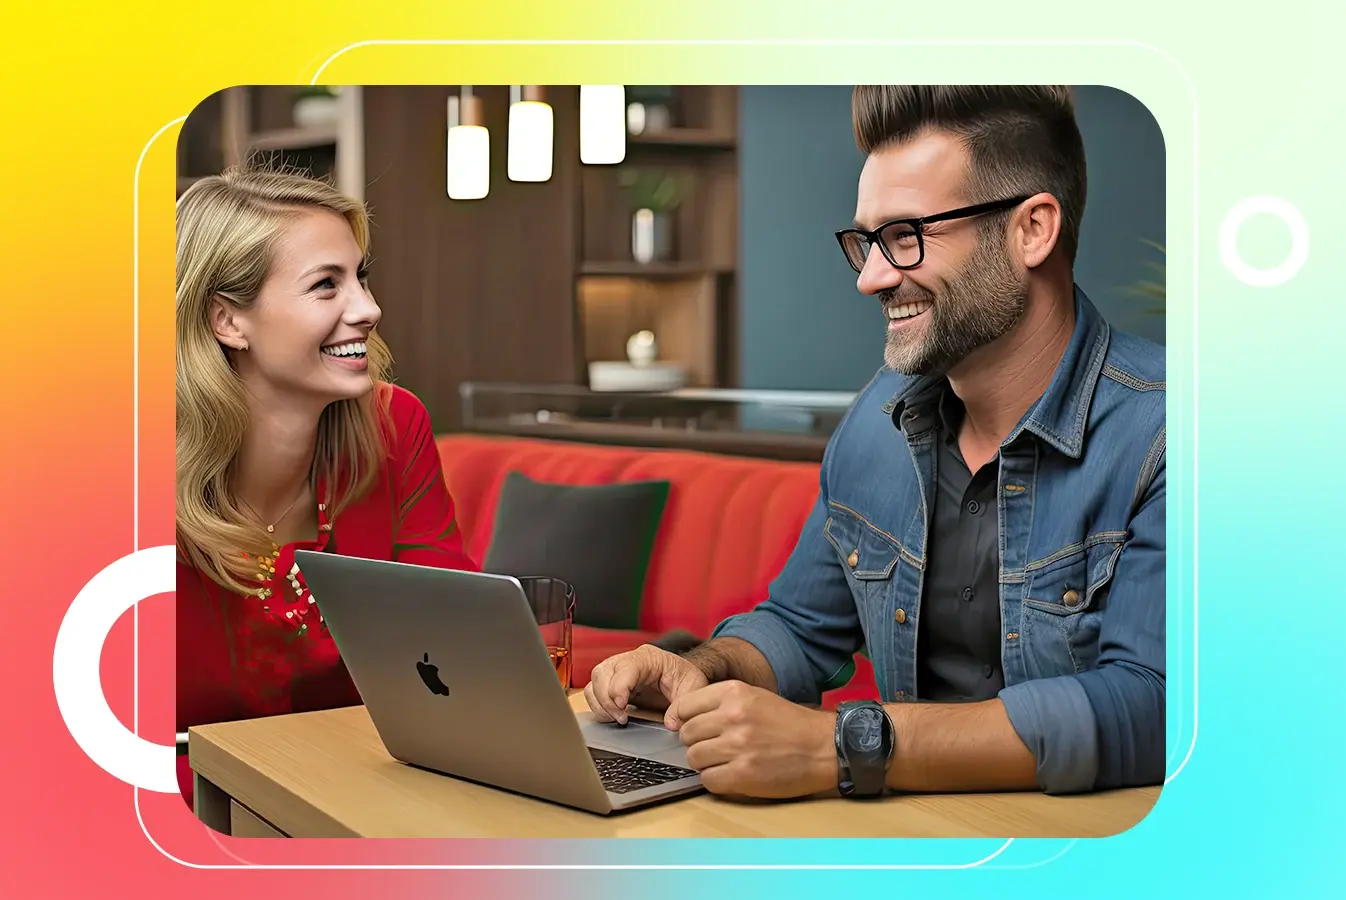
(757, 444)
(294, 138)
(687, 138)
(649, 270)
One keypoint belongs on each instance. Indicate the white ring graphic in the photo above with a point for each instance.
(76, 677)
(1244, 210)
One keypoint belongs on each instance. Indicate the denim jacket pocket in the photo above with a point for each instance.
(868, 556)
(1063, 606)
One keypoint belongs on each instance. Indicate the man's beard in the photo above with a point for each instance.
(982, 303)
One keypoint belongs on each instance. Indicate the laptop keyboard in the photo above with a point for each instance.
(623, 774)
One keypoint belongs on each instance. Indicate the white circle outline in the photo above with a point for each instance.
(1233, 222)
(77, 679)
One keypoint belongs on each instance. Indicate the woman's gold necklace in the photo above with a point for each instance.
(267, 564)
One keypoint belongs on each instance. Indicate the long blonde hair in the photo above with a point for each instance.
(227, 230)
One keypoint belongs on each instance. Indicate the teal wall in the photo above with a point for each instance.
(803, 324)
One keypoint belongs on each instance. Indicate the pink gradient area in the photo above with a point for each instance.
(74, 831)
(67, 491)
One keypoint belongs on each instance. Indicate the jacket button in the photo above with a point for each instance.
(1070, 598)
(853, 559)
(900, 616)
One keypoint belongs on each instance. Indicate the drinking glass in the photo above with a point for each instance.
(553, 605)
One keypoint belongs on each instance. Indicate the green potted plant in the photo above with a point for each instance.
(654, 195)
(315, 105)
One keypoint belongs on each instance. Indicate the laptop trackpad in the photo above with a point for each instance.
(637, 738)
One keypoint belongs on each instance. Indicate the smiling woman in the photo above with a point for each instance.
(288, 437)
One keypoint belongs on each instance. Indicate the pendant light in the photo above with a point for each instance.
(602, 124)
(530, 134)
(468, 153)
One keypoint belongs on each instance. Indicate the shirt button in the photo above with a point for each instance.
(973, 507)
(853, 559)
(968, 594)
(988, 671)
(900, 616)
(1070, 598)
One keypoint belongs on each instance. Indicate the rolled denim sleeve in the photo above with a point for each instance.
(1104, 728)
(1055, 719)
(808, 627)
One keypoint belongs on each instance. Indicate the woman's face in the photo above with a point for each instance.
(305, 335)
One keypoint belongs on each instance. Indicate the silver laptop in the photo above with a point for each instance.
(456, 677)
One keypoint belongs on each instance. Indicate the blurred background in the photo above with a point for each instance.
(645, 266)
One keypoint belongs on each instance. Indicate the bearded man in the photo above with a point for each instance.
(990, 521)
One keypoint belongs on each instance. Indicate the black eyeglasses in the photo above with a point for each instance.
(902, 240)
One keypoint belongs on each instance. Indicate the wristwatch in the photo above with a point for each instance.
(865, 741)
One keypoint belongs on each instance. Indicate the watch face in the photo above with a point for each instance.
(866, 729)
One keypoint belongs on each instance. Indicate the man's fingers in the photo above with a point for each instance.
(707, 754)
(721, 779)
(647, 677)
(615, 684)
(698, 702)
(705, 727)
(673, 692)
(598, 694)
(650, 699)
(595, 707)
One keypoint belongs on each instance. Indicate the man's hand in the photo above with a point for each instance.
(647, 678)
(751, 742)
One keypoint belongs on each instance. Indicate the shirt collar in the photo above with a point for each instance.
(1061, 413)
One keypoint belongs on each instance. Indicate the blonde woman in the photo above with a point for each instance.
(288, 437)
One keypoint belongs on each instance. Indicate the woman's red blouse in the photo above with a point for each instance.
(242, 657)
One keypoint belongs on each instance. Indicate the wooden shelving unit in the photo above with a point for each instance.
(687, 295)
(650, 270)
(308, 138)
(239, 123)
(688, 138)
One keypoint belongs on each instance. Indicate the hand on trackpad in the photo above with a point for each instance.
(638, 736)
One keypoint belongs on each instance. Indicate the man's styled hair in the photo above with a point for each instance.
(1021, 139)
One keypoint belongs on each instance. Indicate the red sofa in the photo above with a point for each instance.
(728, 528)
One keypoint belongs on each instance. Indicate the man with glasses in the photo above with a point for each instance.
(990, 523)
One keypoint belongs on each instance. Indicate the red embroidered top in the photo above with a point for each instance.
(242, 657)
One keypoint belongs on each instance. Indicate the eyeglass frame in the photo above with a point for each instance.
(918, 224)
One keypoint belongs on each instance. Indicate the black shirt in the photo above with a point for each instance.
(958, 644)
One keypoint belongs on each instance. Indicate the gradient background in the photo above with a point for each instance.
(1258, 805)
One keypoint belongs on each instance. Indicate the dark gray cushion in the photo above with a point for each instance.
(598, 538)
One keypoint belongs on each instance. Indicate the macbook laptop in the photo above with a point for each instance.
(456, 677)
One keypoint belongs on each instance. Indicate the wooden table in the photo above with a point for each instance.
(326, 774)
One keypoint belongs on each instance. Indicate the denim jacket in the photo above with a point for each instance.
(1080, 501)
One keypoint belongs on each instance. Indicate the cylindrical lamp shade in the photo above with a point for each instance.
(602, 124)
(469, 162)
(468, 150)
(530, 141)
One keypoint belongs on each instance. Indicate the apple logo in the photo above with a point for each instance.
(430, 675)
